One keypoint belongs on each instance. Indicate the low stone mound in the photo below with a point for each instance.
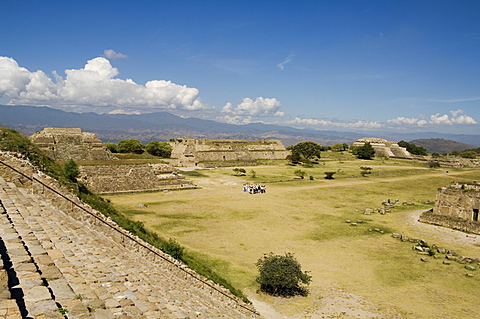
(108, 179)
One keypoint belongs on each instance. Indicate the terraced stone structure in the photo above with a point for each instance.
(109, 179)
(63, 144)
(195, 151)
(383, 147)
(456, 206)
(62, 259)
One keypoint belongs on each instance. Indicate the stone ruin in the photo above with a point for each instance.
(63, 144)
(383, 147)
(192, 152)
(108, 179)
(456, 206)
(60, 258)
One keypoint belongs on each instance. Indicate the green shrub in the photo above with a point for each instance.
(130, 146)
(300, 173)
(71, 170)
(239, 171)
(329, 175)
(160, 149)
(282, 275)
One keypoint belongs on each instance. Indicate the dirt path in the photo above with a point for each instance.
(450, 236)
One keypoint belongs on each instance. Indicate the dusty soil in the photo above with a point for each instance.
(338, 303)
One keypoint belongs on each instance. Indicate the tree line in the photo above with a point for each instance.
(155, 148)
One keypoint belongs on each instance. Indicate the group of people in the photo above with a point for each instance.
(254, 189)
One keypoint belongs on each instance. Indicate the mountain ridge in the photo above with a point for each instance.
(165, 126)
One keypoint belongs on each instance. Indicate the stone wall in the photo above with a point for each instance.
(194, 151)
(445, 221)
(383, 147)
(456, 206)
(63, 144)
(103, 179)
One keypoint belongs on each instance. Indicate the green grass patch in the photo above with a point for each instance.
(210, 267)
(195, 173)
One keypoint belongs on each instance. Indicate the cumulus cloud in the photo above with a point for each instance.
(93, 88)
(327, 123)
(110, 54)
(239, 120)
(455, 118)
(260, 107)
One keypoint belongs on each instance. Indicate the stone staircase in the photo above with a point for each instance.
(61, 268)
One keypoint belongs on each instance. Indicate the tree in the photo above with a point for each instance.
(300, 173)
(239, 171)
(364, 152)
(160, 149)
(130, 146)
(282, 275)
(329, 175)
(307, 150)
(365, 170)
(339, 147)
(71, 170)
(112, 147)
(413, 149)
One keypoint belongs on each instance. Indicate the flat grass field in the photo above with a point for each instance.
(357, 272)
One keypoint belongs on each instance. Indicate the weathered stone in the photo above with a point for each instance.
(404, 238)
(395, 235)
(441, 250)
(189, 152)
(71, 143)
(446, 262)
(470, 267)
(383, 147)
(367, 211)
(424, 259)
(452, 252)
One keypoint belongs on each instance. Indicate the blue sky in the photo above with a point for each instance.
(342, 65)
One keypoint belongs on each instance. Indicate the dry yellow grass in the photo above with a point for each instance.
(363, 271)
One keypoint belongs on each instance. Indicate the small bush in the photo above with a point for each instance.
(239, 171)
(300, 173)
(329, 175)
(434, 164)
(282, 275)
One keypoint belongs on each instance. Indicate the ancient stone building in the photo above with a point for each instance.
(194, 151)
(63, 144)
(383, 147)
(108, 179)
(456, 206)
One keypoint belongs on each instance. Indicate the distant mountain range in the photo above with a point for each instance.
(440, 145)
(164, 126)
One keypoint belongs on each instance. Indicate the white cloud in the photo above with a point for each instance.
(456, 118)
(326, 123)
(110, 54)
(239, 120)
(260, 107)
(281, 65)
(93, 88)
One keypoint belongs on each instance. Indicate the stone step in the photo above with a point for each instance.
(100, 271)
